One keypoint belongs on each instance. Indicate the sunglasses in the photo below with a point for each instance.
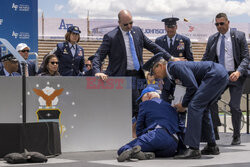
(128, 24)
(221, 23)
(88, 65)
(53, 63)
(25, 51)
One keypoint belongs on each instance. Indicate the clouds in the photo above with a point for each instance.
(58, 7)
(194, 10)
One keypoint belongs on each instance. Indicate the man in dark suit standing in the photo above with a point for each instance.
(124, 46)
(23, 49)
(229, 48)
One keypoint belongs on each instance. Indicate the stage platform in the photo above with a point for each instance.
(231, 156)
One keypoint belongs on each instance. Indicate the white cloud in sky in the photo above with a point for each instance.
(193, 10)
(58, 7)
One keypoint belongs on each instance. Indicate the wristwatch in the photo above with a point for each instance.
(171, 58)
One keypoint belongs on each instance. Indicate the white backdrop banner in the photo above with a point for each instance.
(56, 28)
(197, 32)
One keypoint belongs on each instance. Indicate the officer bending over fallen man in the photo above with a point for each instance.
(204, 82)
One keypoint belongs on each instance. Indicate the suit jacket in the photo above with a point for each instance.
(3, 74)
(69, 65)
(113, 45)
(192, 74)
(240, 50)
(182, 46)
(31, 68)
(156, 112)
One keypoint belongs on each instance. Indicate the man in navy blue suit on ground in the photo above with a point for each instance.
(204, 82)
(124, 47)
(157, 129)
(229, 47)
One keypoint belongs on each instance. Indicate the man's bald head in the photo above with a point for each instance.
(125, 20)
(124, 13)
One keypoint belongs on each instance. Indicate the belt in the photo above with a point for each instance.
(174, 136)
(132, 73)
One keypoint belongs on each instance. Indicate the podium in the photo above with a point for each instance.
(43, 137)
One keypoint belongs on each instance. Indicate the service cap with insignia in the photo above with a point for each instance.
(170, 22)
(153, 60)
(8, 57)
(74, 29)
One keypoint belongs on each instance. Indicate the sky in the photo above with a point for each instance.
(197, 11)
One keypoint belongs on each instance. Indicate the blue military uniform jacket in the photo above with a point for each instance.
(113, 45)
(191, 74)
(182, 46)
(70, 65)
(156, 112)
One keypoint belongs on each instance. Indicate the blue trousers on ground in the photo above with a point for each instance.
(158, 141)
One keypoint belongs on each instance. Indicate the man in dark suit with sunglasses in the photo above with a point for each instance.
(229, 47)
(23, 49)
(124, 47)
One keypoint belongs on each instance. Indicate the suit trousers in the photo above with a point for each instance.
(199, 123)
(137, 77)
(235, 91)
(158, 141)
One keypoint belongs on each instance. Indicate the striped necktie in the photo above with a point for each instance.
(222, 51)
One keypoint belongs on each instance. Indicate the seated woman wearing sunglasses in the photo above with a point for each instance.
(50, 67)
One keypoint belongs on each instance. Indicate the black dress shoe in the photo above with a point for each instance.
(189, 154)
(236, 141)
(210, 150)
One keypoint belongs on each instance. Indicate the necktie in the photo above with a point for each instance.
(222, 51)
(72, 49)
(133, 52)
(171, 44)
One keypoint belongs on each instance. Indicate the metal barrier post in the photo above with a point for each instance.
(247, 115)
(225, 119)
